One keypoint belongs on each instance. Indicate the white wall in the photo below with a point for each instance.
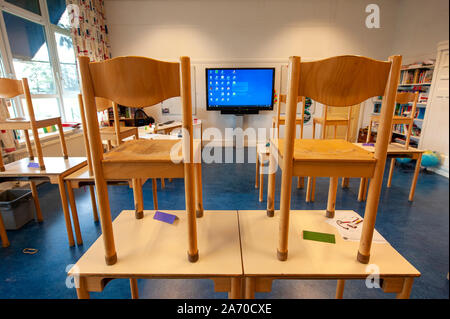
(267, 32)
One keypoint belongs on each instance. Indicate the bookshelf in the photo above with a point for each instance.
(416, 77)
(126, 116)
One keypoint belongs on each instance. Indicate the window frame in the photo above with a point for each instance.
(50, 31)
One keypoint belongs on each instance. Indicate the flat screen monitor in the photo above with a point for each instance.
(239, 90)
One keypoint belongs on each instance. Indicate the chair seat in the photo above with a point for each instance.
(395, 120)
(330, 157)
(25, 124)
(109, 132)
(145, 158)
(331, 120)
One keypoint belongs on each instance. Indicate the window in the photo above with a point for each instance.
(39, 47)
(30, 5)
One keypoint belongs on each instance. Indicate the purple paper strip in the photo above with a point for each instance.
(368, 144)
(34, 165)
(164, 217)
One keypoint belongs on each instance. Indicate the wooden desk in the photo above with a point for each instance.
(148, 248)
(312, 259)
(56, 169)
(394, 151)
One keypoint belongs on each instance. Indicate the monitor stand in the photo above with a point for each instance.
(239, 113)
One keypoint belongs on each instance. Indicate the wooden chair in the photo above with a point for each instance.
(401, 98)
(10, 88)
(338, 81)
(325, 121)
(262, 151)
(139, 81)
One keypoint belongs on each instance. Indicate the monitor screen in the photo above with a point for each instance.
(240, 88)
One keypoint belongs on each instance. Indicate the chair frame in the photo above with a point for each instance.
(137, 81)
(324, 121)
(340, 81)
(10, 88)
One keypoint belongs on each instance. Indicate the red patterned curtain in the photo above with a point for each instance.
(89, 30)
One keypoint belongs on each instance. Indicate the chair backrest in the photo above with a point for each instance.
(10, 88)
(325, 116)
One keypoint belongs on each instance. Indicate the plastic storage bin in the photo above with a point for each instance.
(17, 208)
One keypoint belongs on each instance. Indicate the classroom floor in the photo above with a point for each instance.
(418, 230)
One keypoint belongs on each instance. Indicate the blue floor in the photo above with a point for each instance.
(418, 230)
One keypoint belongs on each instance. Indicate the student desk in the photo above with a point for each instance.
(312, 259)
(148, 248)
(56, 168)
(394, 151)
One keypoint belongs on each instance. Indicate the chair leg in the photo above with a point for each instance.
(163, 183)
(3, 236)
(300, 182)
(261, 181)
(36, 201)
(314, 130)
(345, 182)
(37, 143)
(93, 202)
(28, 144)
(138, 198)
(369, 132)
(335, 131)
(406, 290)
(313, 189)
(65, 206)
(308, 189)
(2, 165)
(134, 288)
(198, 190)
(250, 287)
(340, 288)
(391, 172)
(62, 140)
(271, 187)
(331, 205)
(361, 189)
(416, 175)
(155, 194)
(257, 171)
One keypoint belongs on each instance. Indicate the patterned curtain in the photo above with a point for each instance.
(88, 28)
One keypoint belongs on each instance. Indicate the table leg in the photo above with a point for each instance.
(163, 183)
(250, 284)
(414, 181)
(82, 292)
(340, 288)
(313, 189)
(73, 207)
(36, 201)
(366, 186)
(198, 190)
(236, 292)
(155, 194)
(271, 186)
(345, 182)
(65, 207)
(406, 290)
(3, 236)
(361, 189)
(93, 202)
(391, 172)
(134, 288)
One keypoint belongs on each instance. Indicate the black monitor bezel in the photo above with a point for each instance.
(241, 109)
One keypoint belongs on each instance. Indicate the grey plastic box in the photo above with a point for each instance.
(17, 208)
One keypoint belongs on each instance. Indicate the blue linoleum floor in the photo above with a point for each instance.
(418, 230)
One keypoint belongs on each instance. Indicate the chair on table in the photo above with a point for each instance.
(401, 98)
(10, 88)
(338, 81)
(262, 150)
(140, 81)
(325, 120)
